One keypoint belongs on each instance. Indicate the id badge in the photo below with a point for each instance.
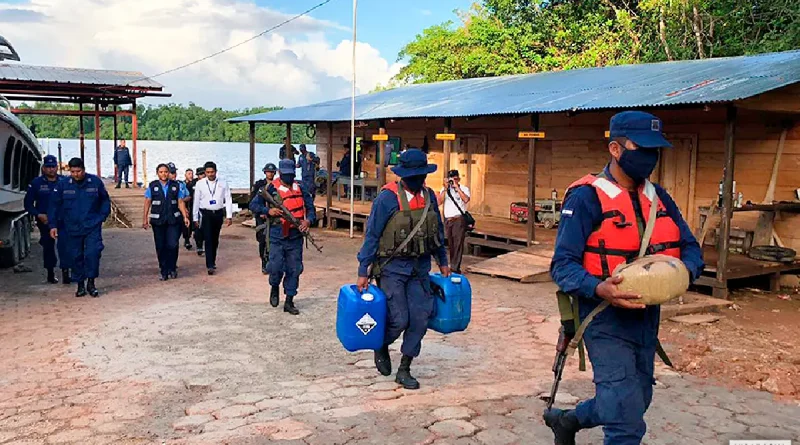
(212, 202)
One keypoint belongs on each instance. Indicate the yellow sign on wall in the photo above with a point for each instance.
(380, 137)
(445, 137)
(531, 135)
(608, 134)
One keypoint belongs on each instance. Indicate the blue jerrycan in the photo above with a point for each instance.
(452, 306)
(361, 318)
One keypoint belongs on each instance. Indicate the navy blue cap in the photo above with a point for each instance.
(413, 162)
(287, 167)
(50, 161)
(644, 129)
(270, 167)
(172, 168)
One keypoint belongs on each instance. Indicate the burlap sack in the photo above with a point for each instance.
(657, 278)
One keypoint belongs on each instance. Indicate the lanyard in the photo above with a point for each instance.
(214, 192)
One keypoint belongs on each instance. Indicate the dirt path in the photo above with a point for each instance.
(204, 359)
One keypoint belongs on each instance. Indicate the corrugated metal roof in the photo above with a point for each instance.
(616, 87)
(31, 73)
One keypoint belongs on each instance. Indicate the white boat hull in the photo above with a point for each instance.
(20, 161)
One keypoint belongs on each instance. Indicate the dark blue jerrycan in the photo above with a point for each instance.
(452, 306)
(361, 318)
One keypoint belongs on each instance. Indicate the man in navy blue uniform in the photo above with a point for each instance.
(307, 163)
(37, 201)
(285, 240)
(165, 210)
(404, 232)
(602, 221)
(122, 160)
(78, 207)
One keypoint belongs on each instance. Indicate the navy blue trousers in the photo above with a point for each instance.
(167, 238)
(84, 251)
(49, 247)
(120, 172)
(623, 378)
(410, 304)
(285, 263)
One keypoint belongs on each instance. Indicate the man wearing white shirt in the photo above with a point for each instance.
(454, 224)
(212, 201)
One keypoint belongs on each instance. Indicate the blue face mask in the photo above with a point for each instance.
(638, 164)
(414, 183)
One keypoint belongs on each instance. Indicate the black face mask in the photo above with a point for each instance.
(414, 183)
(287, 179)
(638, 164)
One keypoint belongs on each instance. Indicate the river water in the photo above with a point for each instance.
(232, 158)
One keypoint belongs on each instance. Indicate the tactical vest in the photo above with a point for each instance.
(618, 238)
(402, 223)
(164, 211)
(292, 199)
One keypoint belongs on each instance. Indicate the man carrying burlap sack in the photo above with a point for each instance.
(604, 219)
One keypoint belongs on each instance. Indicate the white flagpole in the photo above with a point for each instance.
(353, 126)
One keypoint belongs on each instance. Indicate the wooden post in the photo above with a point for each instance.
(82, 134)
(382, 156)
(252, 153)
(532, 182)
(114, 147)
(329, 166)
(135, 137)
(288, 148)
(144, 165)
(97, 138)
(727, 202)
(447, 145)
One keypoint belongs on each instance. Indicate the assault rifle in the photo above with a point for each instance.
(558, 364)
(289, 217)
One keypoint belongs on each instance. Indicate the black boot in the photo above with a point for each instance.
(51, 276)
(288, 306)
(274, 296)
(81, 292)
(383, 362)
(65, 277)
(564, 425)
(404, 377)
(264, 264)
(92, 289)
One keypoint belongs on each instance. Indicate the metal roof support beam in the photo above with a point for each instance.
(69, 112)
(727, 202)
(532, 181)
(115, 142)
(252, 153)
(329, 166)
(97, 138)
(135, 137)
(82, 135)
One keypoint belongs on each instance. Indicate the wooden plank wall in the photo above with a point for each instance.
(575, 146)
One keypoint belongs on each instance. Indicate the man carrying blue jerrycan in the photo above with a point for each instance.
(404, 231)
(605, 219)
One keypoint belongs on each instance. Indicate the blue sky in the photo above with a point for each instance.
(306, 61)
(386, 25)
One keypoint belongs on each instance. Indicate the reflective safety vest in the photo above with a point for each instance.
(618, 239)
(403, 222)
(292, 199)
(164, 209)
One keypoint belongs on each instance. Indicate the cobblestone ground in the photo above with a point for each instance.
(204, 360)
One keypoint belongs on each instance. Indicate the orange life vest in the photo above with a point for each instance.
(292, 200)
(416, 203)
(618, 240)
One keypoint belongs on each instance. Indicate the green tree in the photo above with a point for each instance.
(499, 37)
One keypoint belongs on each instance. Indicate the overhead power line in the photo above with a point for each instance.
(222, 51)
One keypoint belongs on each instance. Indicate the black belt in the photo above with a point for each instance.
(218, 211)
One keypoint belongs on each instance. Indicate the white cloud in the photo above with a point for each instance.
(426, 12)
(294, 65)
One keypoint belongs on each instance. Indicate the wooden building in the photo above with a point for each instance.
(732, 119)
